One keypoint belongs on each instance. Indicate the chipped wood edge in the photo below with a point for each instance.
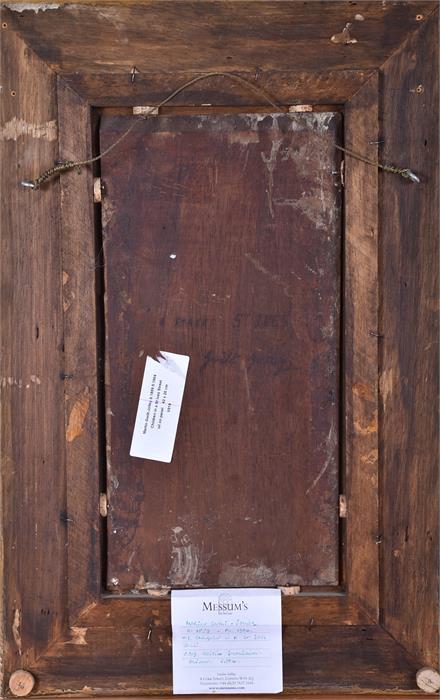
(342, 506)
(158, 592)
(300, 108)
(77, 416)
(97, 190)
(146, 110)
(103, 505)
(290, 590)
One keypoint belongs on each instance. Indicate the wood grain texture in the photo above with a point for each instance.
(361, 349)
(409, 363)
(287, 86)
(81, 379)
(314, 694)
(133, 612)
(216, 35)
(362, 659)
(317, 659)
(231, 255)
(33, 483)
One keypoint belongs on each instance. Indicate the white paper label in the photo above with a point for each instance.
(159, 407)
(227, 641)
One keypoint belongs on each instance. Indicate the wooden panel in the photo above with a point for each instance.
(81, 376)
(33, 485)
(217, 35)
(345, 659)
(134, 613)
(249, 208)
(361, 349)
(321, 659)
(34, 512)
(316, 696)
(289, 87)
(409, 367)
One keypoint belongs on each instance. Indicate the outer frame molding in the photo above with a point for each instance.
(33, 516)
(84, 656)
(409, 379)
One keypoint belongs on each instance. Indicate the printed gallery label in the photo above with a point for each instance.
(227, 641)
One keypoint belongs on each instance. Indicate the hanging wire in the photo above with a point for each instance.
(404, 172)
(66, 166)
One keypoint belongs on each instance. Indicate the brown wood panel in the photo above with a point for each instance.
(316, 696)
(104, 660)
(32, 550)
(409, 363)
(250, 207)
(361, 349)
(322, 659)
(217, 35)
(136, 612)
(287, 86)
(81, 377)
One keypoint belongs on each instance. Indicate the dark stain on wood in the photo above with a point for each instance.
(32, 430)
(410, 358)
(212, 35)
(222, 241)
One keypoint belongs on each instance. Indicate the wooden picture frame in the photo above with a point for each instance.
(62, 66)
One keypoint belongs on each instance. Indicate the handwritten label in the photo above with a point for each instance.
(278, 364)
(265, 321)
(227, 641)
(159, 407)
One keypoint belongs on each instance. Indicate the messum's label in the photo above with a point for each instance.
(227, 641)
